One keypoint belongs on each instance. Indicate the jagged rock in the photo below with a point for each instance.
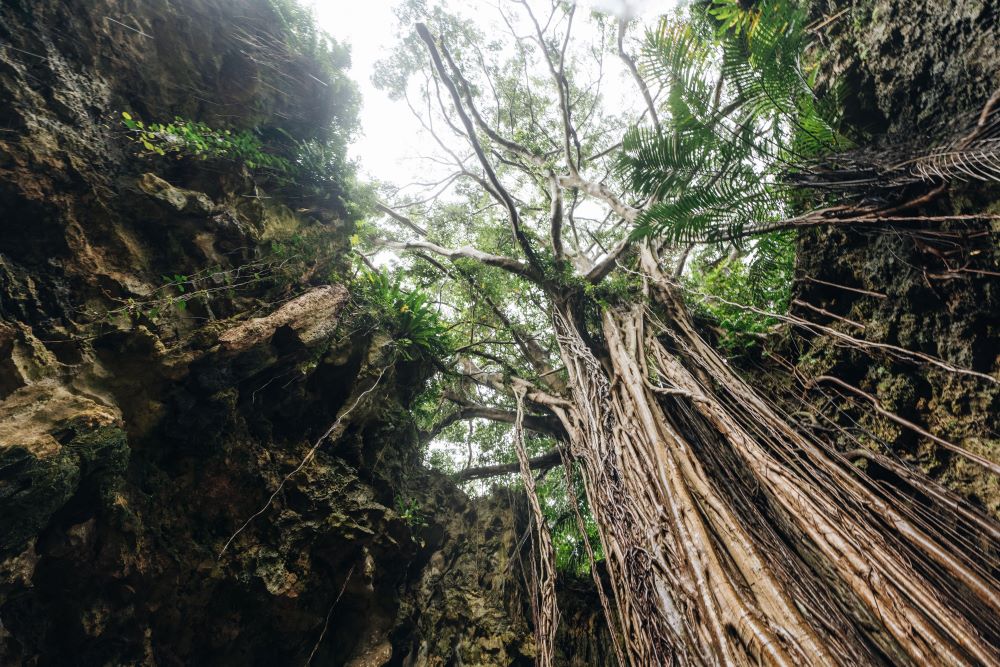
(313, 317)
(908, 89)
(181, 200)
(909, 66)
(53, 444)
(136, 438)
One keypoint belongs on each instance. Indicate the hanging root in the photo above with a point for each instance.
(732, 536)
(581, 526)
(877, 405)
(326, 623)
(936, 604)
(545, 609)
(334, 431)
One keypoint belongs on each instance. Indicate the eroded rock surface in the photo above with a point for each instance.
(141, 425)
(910, 73)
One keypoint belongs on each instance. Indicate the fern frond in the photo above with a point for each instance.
(711, 170)
(770, 267)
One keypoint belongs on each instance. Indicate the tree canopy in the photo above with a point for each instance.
(593, 182)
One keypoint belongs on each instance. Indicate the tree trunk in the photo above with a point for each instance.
(734, 538)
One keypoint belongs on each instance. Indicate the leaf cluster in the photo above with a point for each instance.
(761, 279)
(567, 540)
(183, 137)
(739, 116)
(713, 170)
(409, 315)
(314, 168)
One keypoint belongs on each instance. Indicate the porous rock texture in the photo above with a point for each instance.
(909, 73)
(908, 66)
(141, 426)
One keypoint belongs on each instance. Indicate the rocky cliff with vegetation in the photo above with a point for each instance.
(179, 330)
(909, 75)
(208, 448)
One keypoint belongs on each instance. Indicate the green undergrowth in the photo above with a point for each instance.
(567, 540)
(188, 138)
(731, 293)
(307, 169)
(408, 315)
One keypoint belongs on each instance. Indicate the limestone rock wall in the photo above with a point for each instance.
(137, 435)
(910, 74)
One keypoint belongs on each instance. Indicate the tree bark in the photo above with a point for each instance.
(545, 461)
(733, 538)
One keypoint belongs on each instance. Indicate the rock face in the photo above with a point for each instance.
(908, 66)
(174, 340)
(911, 69)
(144, 428)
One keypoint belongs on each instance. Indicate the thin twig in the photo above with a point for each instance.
(877, 295)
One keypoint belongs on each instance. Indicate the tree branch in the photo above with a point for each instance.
(630, 64)
(468, 252)
(604, 267)
(499, 382)
(601, 192)
(545, 461)
(555, 192)
(562, 85)
(399, 217)
(544, 424)
(510, 145)
(500, 191)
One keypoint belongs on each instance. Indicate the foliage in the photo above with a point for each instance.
(305, 37)
(410, 512)
(417, 329)
(440, 460)
(296, 38)
(314, 168)
(740, 115)
(618, 288)
(713, 282)
(318, 164)
(195, 139)
(570, 551)
(714, 171)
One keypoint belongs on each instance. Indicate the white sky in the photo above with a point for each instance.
(392, 138)
(390, 132)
